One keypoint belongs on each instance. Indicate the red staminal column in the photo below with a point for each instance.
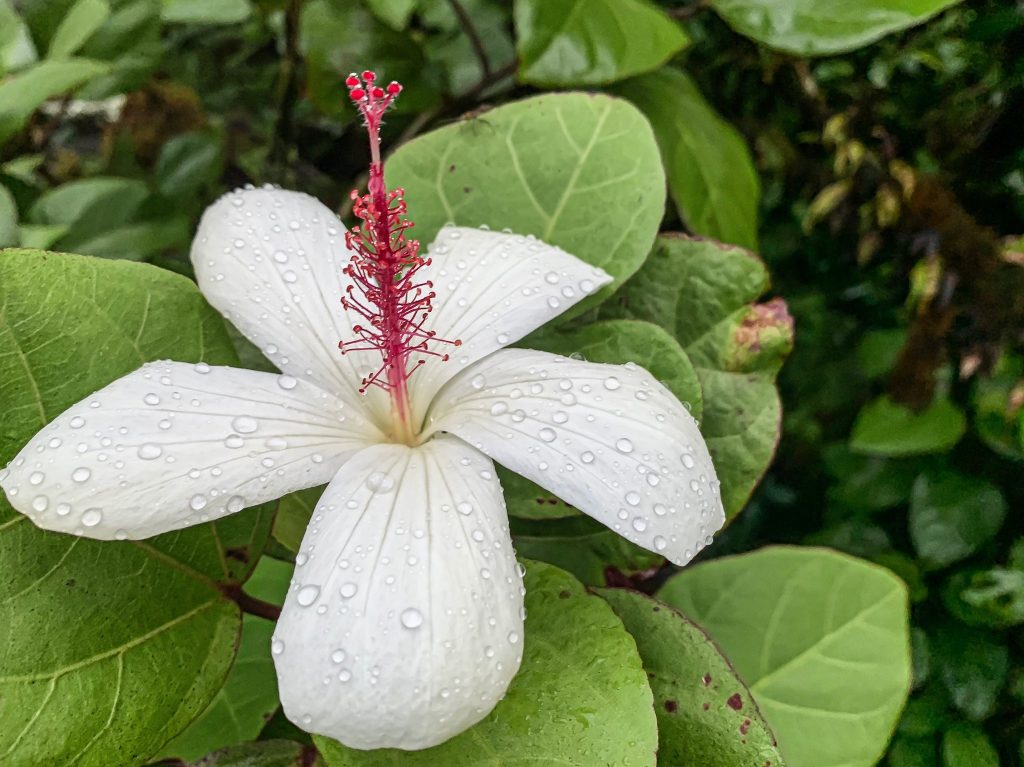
(392, 304)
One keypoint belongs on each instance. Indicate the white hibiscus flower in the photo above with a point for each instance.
(404, 622)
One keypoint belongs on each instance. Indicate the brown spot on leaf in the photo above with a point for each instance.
(735, 701)
(564, 594)
(706, 679)
(671, 706)
(745, 727)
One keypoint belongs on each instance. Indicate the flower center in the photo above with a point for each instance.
(390, 301)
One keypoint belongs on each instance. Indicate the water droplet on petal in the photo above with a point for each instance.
(338, 656)
(587, 457)
(688, 461)
(36, 478)
(348, 590)
(624, 445)
(464, 507)
(92, 517)
(277, 646)
(499, 408)
(245, 425)
(611, 383)
(633, 498)
(149, 451)
(151, 399)
(547, 435)
(513, 637)
(412, 618)
(307, 595)
(660, 543)
(77, 422)
(81, 474)
(287, 382)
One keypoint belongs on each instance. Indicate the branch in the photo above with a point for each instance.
(687, 11)
(250, 604)
(472, 34)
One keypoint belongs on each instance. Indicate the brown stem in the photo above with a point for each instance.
(687, 11)
(250, 604)
(288, 86)
(474, 37)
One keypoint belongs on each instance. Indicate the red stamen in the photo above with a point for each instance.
(391, 304)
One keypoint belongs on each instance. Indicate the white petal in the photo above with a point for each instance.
(492, 289)
(608, 439)
(174, 444)
(271, 261)
(404, 623)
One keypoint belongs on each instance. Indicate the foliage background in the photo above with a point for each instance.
(882, 183)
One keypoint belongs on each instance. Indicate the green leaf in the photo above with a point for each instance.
(205, 12)
(341, 37)
(137, 242)
(885, 427)
(973, 665)
(701, 292)
(993, 597)
(968, 746)
(998, 414)
(710, 170)
(293, 513)
(879, 350)
(394, 13)
(90, 205)
(706, 714)
(8, 219)
(242, 706)
(118, 617)
(580, 698)
(16, 47)
(23, 93)
(952, 515)
(823, 27)
(582, 546)
(580, 171)
(612, 341)
(266, 753)
(821, 638)
(592, 42)
(188, 164)
(84, 18)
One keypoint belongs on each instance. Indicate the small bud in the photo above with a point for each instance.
(394, 88)
(369, 76)
(352, 81)
(377, 93)
(357, 94)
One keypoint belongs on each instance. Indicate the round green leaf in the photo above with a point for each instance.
(885, 427)
(580, 699)
(117, 617)
(701, 292)
(580, 171)
(821, 638)
(821, 27)
(951, 515)
(591, 42)
(706, 714)
(243, 705)
(709, 167)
